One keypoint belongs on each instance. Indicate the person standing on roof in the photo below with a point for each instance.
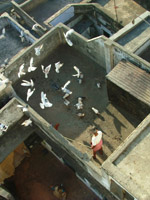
(96, 142)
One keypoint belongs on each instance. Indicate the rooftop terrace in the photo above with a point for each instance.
(114, 122)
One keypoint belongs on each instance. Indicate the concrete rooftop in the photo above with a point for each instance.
(116, 123)
(131, 160)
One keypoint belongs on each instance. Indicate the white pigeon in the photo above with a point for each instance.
(3, 31)
(24, 108)
(4, 81)
(21, 71)
(58, 65)
(45, 101)
(34, 27)
(66, 95)
(3, 127)
(66, 84)
(22, 36)
(46, 70)
(31, 67)
(27, 122)
(95, 111)
(80, 115)
(29, 93)
(67, 35)
(28, 83)
(78, 72)
(38, 50)
(64, 88)
(79, 105)
(66, 102)
(5, 63)
(98, 85)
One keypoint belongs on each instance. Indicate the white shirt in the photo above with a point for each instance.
(96, 139)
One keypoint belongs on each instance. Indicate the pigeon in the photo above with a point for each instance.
(46, 70)
(21, 71)
(45, 101)
(4, 81)
(66, 84)
(29, 93)
(3, 31)
(5, 63)
(66, 35)
(3, 127)
(28, 83)
(24, 109)
(80, 115)
(79, 105)
(66, 95)
(95, 111)
(22, 36)
(98, 85)
(38, 50)
(31, 67)
(27, 122)
(66, 102)
(34, 27)
(78, 72)
(58, 65)
(64, 88)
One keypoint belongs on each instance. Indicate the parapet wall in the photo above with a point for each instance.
(50, 41)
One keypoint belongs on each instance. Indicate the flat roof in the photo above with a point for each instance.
(111, 119)
(129, 164)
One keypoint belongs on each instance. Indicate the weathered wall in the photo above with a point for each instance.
(114, 53)
(93, 48)
(5, 20)
(123, 99)
(76, 160)
(10, 116)
(27, 19)
(100, 14)
(31, 4)
(144, 3)
(50, 41)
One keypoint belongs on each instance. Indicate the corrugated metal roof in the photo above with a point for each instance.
(132, 79)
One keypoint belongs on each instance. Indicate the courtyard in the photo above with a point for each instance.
(115, 123)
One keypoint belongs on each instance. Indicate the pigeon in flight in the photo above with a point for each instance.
(27, 122)
(78, 72)
(28, 83)
(34, 27)
(98, 85)
(31, 67)
(45, 101)
(4, 81)
(67, 35)
(3, 31)
(21, 71)
(29, 93)
(58, 65)
(24, 108)
(38, 50)
(64, 88)
(46, 70)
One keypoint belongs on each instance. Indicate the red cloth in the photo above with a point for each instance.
(98, 146)
(56, 126)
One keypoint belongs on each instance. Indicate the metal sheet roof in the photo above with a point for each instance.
(131, 79)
